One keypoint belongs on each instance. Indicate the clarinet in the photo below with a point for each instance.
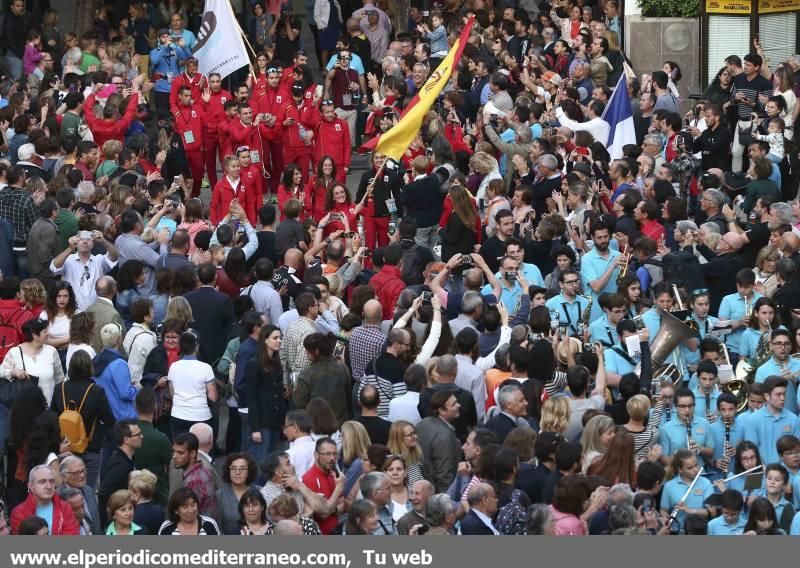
(726, 444)
(689, 441)
(708, 405)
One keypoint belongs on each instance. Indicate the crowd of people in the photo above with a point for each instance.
(507, 331)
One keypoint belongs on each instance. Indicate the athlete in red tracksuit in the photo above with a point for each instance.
(224, 127)
(189, 124)
(254, 182)
(231, 186)
(192, 79)
(297, 119)
(244, 131)
(214, 111)
(332, 139)
(268, 103)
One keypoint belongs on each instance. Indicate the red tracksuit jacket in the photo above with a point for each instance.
(214, 111)
(248, 135)
(223, 194)
(105, 129)
(333, 139)
(183, 80)
(302, 116)
(254, 181)
(189, 124)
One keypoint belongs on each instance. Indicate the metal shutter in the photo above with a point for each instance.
(778, 34)
(727, 35)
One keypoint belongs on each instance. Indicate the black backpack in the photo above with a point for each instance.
(683, 266)
(412, 271)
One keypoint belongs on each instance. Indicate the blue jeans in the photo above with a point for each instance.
(258, 451)
(14, 65)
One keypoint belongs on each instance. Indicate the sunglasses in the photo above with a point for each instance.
(699, 292)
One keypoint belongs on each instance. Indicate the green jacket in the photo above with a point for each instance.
(67, 224)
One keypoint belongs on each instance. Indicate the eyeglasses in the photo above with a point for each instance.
(345, 58)
(781, 344)
(76, 472)
(699, 292)
(792, 453)
(138, 434)
(242, 149)
(571, 281)
(327, 102)
(410, 435)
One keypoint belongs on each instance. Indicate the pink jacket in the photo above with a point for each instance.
(567, 523)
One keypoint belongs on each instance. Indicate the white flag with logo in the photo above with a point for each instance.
(220, 48)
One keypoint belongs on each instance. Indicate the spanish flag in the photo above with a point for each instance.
(397, 140)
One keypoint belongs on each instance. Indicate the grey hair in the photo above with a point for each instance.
(715, 196)
(439, 507)
(85, 191)
(548, 161)
(470, 302)
(524, 134)
(67, 461)
(783, 212)
(711, 228)
(504, 396)
(655, 140)
(539, 516)
(370, 482)
(36, 469)
(686, 226)
(447, 365)
(74, 54)
(621, 494)
(66, 492)
(621, 517)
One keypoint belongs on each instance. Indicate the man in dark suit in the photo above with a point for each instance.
(482, 502)
(550, 182)
(213, 314)
(513, 410)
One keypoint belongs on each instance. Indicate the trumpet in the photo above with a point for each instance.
(624, 270)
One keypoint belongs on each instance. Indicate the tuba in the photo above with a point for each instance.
(672, 332)
(746, 368)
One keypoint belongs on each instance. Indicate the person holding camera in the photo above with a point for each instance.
(268, 107)
(165, 61)
(345, 87)
(285, 34)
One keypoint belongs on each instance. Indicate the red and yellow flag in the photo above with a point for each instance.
(397, 139)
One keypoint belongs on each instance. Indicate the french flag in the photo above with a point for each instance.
(619, 116)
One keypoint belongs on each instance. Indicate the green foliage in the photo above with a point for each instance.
(669, 8)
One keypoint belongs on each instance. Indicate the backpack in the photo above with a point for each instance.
(683, 266)
(512, 518)
(71, 423)
(10, 336)
(412, 271)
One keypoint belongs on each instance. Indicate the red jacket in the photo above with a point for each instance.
(314, 203)
(387, 285)
(189, 119)
(270, 101)
(254, 182)
(183, 80)
(285, 194)
(249, 135)
(455, 135)
(105, 129)
(222, 196)
(333, 139)
(12, 315)
(346, 209)
(224, 131)
(64, 521)
(214, 111)
(302, 116)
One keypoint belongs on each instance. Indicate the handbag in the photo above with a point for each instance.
(10, 390)
(745, 136)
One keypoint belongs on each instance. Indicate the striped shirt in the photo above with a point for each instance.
(206, 526)
(751, 90)
(643, 441)
(386, 373)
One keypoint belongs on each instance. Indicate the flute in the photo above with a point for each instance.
(674, 514)
(748, 472)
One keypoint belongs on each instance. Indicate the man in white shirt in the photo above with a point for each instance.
(469, 376)
(77, 265)
(297, 429)
(404, 407)
(265, 298)
(596, 126)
